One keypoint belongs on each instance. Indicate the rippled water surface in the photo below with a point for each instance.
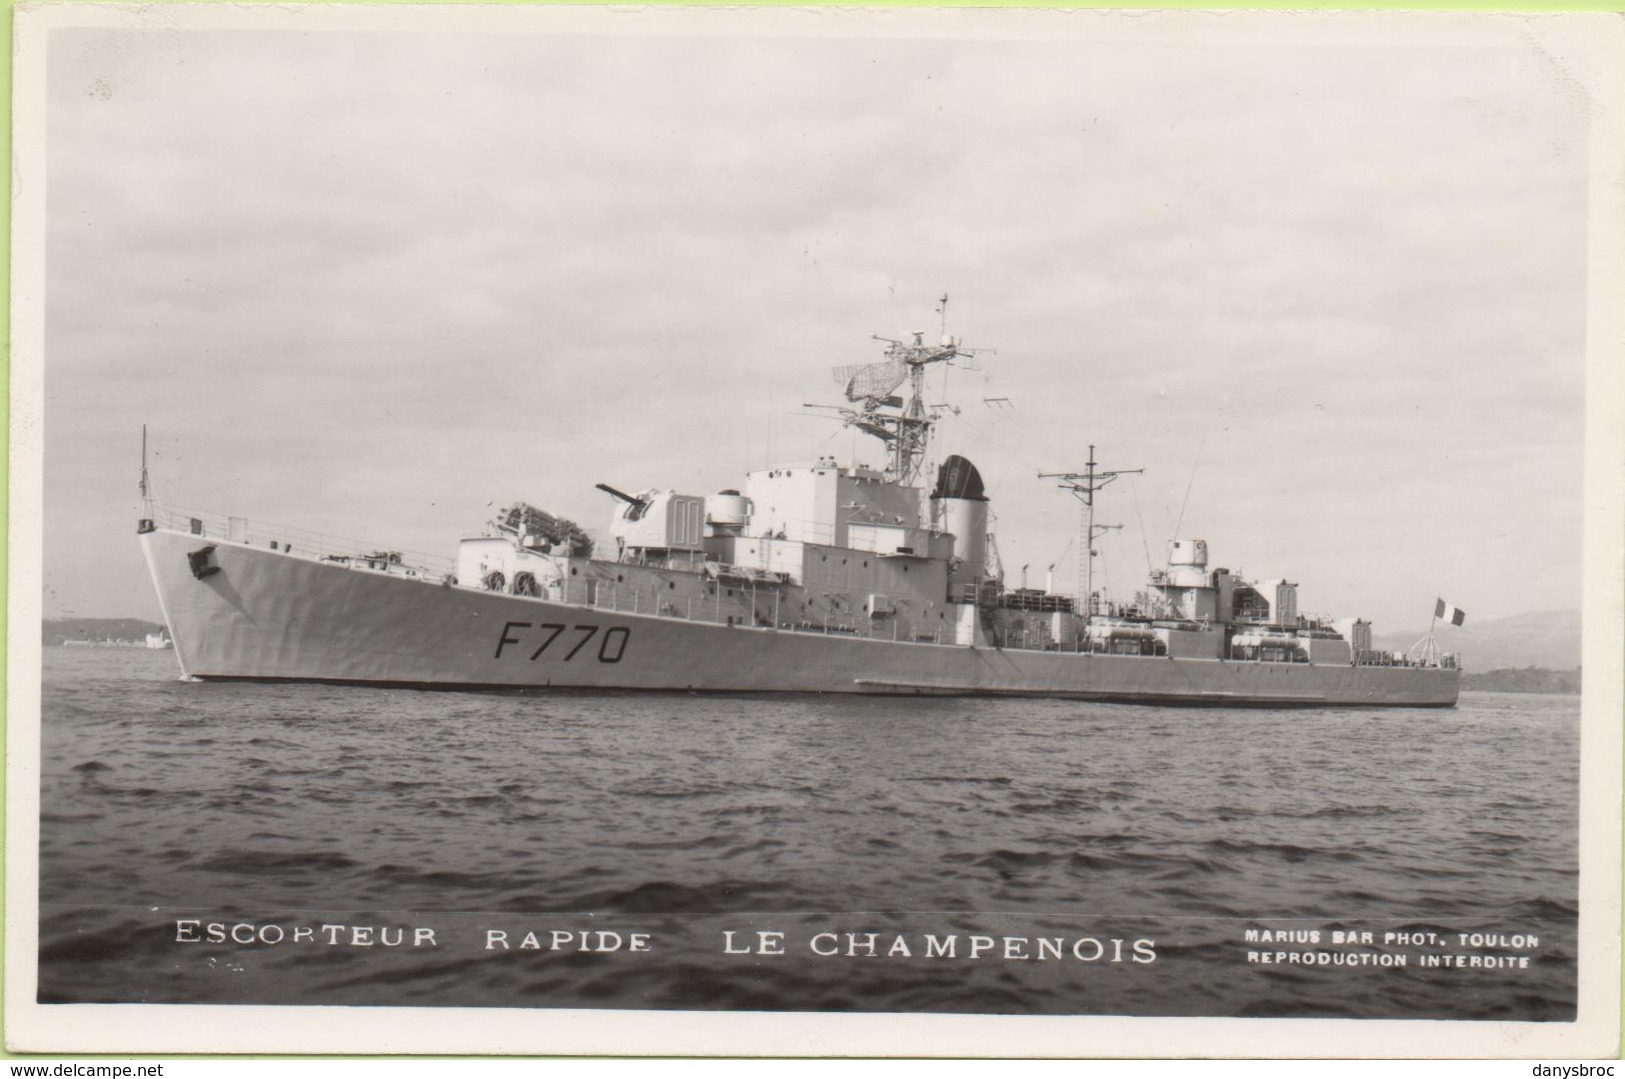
(169, 806)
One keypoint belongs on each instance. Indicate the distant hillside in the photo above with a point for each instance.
(97, 629)
(1549, 639)
(1525, 680)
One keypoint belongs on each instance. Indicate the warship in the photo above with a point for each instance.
(812, 577)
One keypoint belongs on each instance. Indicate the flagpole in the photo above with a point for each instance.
(1426, 651)
(146, 524)
(146, 489)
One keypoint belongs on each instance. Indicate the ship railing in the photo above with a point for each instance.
(816, 532)
(1382, 658)
(820, 532)
(983, 595)
(1041, 642)
(303, 543)
(764, 611)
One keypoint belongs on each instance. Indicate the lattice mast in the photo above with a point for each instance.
(1083, 486)
(904, 425)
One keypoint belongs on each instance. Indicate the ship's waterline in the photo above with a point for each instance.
(271, 615)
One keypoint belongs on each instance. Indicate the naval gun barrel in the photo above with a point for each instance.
(632, 500)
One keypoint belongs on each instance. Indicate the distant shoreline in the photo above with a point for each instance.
(59, 631)
(1523, 680)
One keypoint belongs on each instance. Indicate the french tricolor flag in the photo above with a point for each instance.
(1446, 613)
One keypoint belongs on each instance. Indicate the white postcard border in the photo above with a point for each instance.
(169, 1029)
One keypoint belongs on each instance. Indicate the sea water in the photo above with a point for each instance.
(294, 844)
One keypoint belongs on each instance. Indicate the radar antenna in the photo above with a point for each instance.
(903, 424)
(871, 381)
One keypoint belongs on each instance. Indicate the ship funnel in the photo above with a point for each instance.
(963, 507)
(958, 478)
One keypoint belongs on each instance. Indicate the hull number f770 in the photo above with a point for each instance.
(565, 641)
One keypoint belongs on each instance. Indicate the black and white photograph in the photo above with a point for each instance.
(818, 531)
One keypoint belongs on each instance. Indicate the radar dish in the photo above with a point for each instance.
(871, 381)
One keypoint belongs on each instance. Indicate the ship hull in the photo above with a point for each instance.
(270, 616)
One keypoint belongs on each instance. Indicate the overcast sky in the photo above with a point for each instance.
(369, 283)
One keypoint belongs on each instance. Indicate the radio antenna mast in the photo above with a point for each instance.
(1083, 486)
